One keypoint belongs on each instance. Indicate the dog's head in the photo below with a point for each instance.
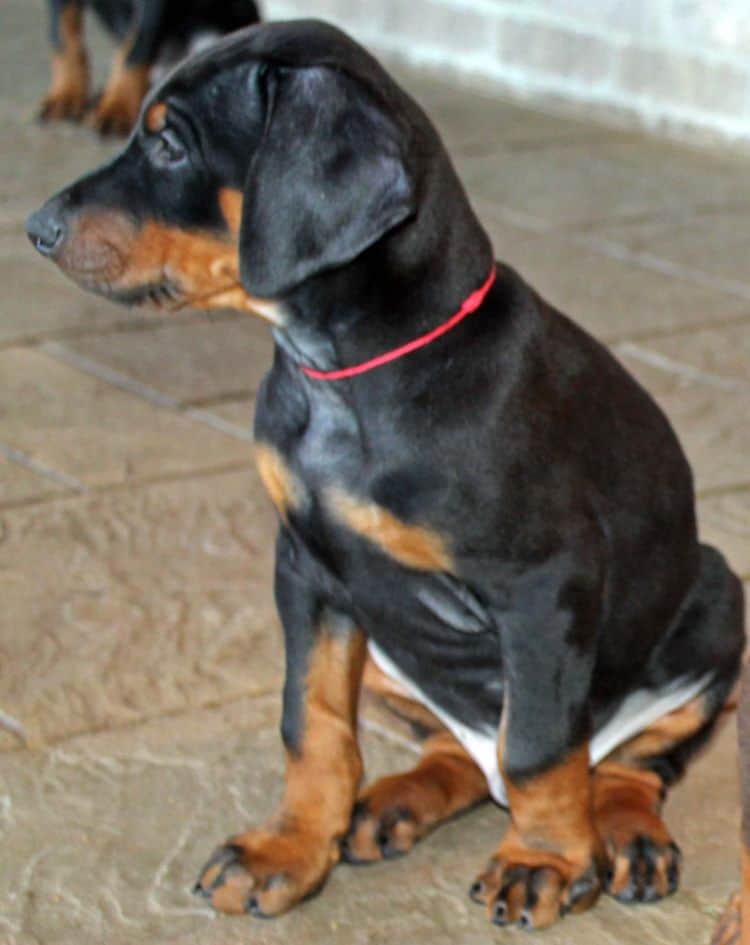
(280, 153)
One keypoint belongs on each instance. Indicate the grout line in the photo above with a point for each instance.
(14, 727)
(106, 728)
(659, 334)
(150, 394)
(671, 366)
(620, 253)
(144, 324)
(113, 488)
(712, 492)
(61, 478)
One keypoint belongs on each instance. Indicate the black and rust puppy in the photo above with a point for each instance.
(151, 33)
(471, 490)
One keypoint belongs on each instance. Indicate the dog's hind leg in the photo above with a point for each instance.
(630, 785)
(394, 812)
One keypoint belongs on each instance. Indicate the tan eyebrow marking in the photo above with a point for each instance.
(156, 117)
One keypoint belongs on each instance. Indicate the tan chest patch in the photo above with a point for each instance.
(281, 485)
(412, 545)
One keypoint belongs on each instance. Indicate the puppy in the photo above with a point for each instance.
(480, 511)
(153, 35)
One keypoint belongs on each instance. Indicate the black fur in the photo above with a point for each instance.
(555, 480)
(154, 23)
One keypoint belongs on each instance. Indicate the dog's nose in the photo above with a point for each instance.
(46, 231)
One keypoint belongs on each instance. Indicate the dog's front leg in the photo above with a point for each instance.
(117, 110)
(68, 93)
(267, 870)
(551, 859)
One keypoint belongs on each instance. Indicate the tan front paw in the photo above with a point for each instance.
(67, 98)
(534, 888)
(117, 110)
(66, 104)
(114, 115)
(266, 872)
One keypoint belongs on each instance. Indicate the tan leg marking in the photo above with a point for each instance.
(279, 481)
(550, 859)
(664, 734)
(412, 545)
(117, 110)
(68, 92)
(268, 870)
(396, 811)
(644, 860)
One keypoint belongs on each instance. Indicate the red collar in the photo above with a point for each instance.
(470, 304)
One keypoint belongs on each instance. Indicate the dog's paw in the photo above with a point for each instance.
(729, 929)
(533, 889)
(265, 872)
(66, 102)
(644, 870)
(644, 861)
(380, 832)
(118, 108)
(113, 116)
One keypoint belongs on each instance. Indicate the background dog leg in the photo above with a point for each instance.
(118, 108)
(67, 96)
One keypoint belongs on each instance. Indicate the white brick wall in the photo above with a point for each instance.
(681, 66)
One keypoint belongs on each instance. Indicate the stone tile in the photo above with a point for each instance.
(710, 422)
(88, 429)
(725, 522)
(548, 185)
(191, 362)
(38, 300)
(27, 147)
(18, 483)
(132, 604)
(716, 241)
(241, 413)
(575, 186)
(723, 353)
(476, 122)
(104, 836)
(610, 298)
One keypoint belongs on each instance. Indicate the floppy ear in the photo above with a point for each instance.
(327, 181)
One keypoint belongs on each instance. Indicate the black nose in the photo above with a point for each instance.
(45, 230)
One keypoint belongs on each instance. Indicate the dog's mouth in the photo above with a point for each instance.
(161, 295)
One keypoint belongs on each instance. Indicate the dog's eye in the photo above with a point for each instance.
(167, 149)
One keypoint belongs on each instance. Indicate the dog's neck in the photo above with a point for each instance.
(351, 317)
